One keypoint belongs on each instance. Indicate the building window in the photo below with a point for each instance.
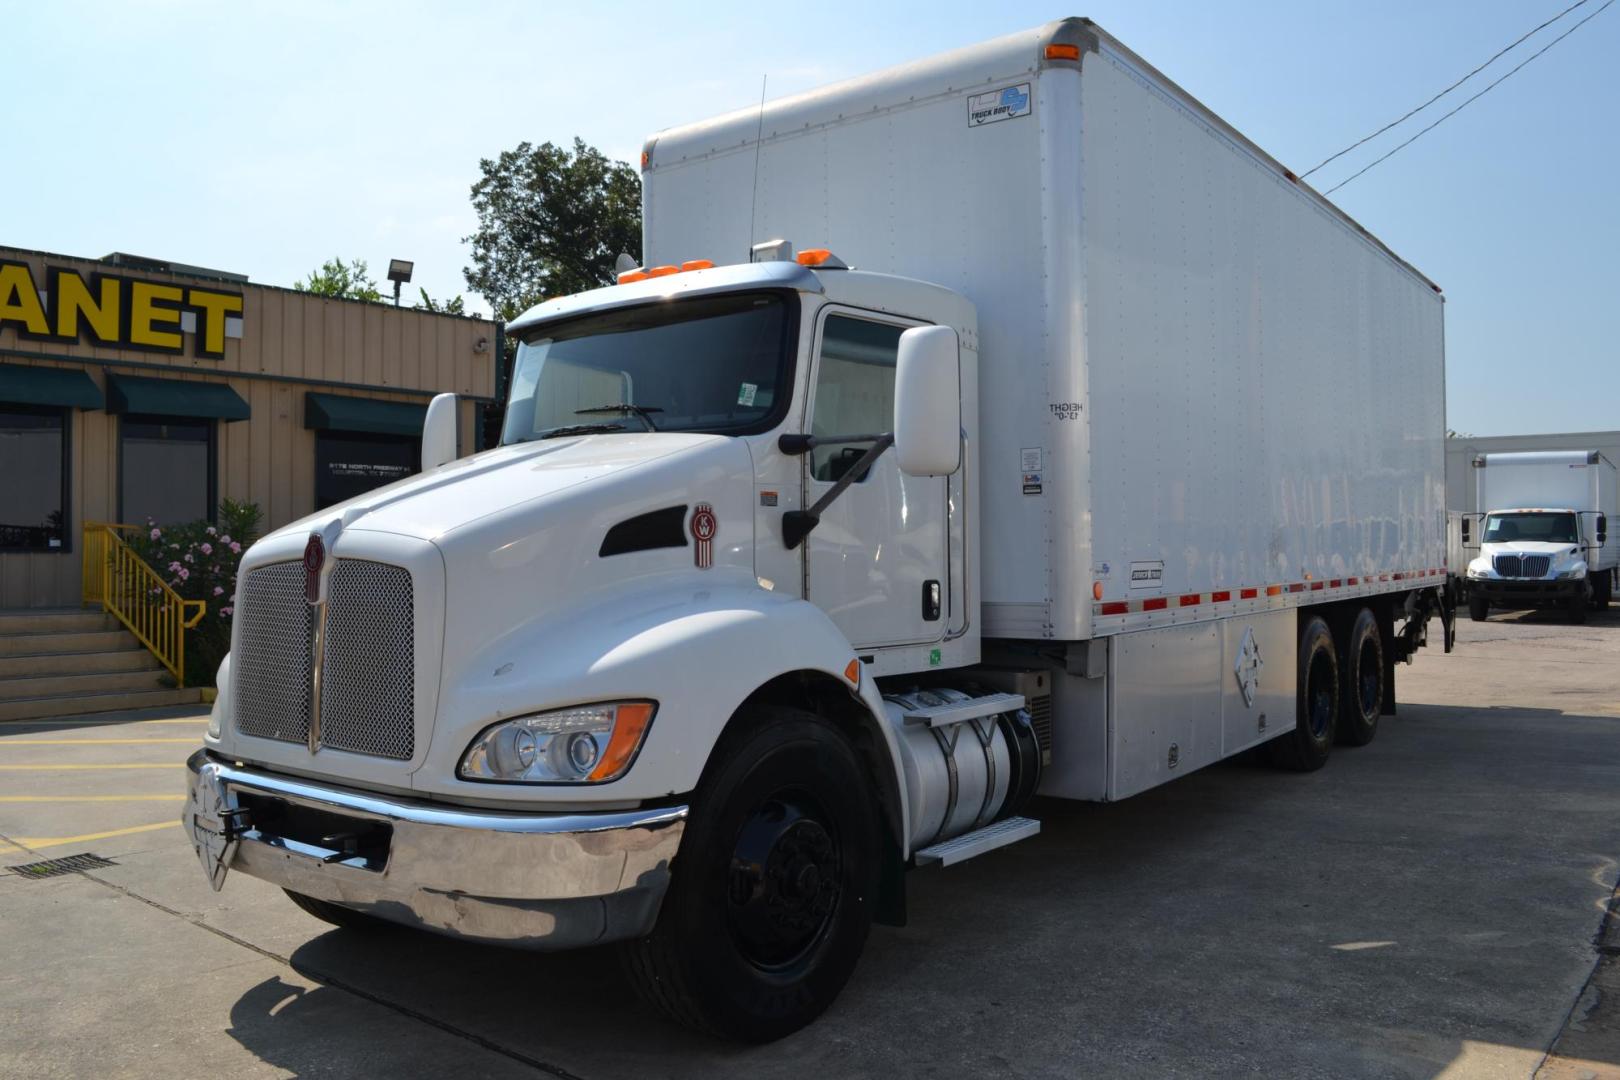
(349, 464)
(166, 467)
(33, 478)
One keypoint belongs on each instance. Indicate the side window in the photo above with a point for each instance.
(854, 389)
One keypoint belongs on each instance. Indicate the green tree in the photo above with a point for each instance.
(454, 306)
(343, 281)
(551, 221)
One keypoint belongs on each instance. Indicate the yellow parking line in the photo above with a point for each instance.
(89, 798)
(54, 768)
(34, 843)
(93, 722)
(88, 742)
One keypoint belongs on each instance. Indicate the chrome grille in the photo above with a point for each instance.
(1525, 566)
(271, 668)
(368, 671)
(368, 678)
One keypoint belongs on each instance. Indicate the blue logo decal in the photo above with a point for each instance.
(1014, 99)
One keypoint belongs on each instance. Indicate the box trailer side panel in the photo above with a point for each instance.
(1266, 384)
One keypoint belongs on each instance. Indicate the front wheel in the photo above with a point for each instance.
(1577, 609)
(1306, 748)
(1479, 608)
(1602, 590)
(770, 899)
(337, 914)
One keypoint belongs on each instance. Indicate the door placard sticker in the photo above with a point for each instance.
(746, 395)
(1003, 104)
(1147, 575)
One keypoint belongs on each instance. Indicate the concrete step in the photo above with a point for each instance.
(77, 663)
(74, 704)
(72, 641)
(38, 686)
(54, 620)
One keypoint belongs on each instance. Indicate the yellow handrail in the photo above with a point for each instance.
(136, 595)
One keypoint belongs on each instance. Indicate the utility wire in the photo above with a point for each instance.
(1393, 123)
(1471, 100)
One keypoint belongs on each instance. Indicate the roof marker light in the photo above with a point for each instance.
(696, 264)
(1063, 52)
(631, 276)
(662, 271)
(822, 258)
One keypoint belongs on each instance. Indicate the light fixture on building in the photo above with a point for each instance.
(399, 272)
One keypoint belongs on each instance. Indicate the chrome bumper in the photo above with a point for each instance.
(542, 881)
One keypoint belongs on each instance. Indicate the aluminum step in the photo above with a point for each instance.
(957, 712)
(964, 847)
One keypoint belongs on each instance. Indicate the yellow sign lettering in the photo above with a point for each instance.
(152, 307)
(19, 301)
(212, 308)
(71, 300)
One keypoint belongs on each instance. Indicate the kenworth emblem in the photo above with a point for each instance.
(704, 526)
(314, 562)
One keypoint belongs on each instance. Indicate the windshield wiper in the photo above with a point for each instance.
(641, 412)
(574, 429)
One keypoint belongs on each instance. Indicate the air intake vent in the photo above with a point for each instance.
(647, 532)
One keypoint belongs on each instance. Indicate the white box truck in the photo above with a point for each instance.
(1543, 535)
(1078, 446)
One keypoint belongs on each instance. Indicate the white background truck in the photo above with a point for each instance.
(1079, 447)
(1541, 538)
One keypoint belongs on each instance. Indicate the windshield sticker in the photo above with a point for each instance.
(745, 396)
(998, 105)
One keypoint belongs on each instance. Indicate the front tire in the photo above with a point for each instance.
(1602, 590)
(771, 896)
(337, 914)
(1361, 668)
(1479, 609)
(1577, 610)
(1306, 748)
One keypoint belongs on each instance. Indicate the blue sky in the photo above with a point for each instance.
(263, 138)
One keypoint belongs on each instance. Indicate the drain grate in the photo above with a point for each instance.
(56, 867)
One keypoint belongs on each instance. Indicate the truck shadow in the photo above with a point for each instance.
(1419, 899)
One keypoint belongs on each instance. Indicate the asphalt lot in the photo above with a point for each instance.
(1426, 907)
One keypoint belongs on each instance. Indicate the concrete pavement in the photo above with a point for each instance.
(1424, 907)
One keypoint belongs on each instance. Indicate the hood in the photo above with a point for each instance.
(1529, 547)
(433, 504)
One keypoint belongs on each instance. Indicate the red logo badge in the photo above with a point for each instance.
(704, 526)
(314, 560)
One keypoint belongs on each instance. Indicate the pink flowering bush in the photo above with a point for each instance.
(199, 560)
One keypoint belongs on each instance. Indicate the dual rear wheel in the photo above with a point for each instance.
(1341, 691)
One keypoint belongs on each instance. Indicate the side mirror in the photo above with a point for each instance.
(1603, 529)
(439, 432)
(928, 402)
(1465, 524)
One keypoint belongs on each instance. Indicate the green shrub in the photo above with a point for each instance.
(199, 561)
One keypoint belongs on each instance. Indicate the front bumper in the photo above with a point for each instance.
(542, 881)
(1523, 592)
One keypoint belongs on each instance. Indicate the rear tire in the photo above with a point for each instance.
(1479, 609)
(1361, 677)
(337, 914)
(771, 896)
(1306, 748)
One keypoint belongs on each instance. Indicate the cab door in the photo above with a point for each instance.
(878, 562)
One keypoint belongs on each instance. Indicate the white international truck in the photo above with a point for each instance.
(1543, 533)
(1078, 446)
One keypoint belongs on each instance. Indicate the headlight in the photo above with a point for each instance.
(1574, 573)
(222, 683)
(586, 744)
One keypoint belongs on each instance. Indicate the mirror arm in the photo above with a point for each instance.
(797, 524)
(803, 444)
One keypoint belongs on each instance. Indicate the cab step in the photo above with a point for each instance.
(964, 847)
(957, 712)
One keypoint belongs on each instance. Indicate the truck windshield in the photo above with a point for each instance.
(1546, 528)
(719, 363)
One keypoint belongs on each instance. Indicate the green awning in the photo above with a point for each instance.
(335, 412)
(71, 387)
(171, 397)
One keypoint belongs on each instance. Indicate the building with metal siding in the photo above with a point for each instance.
(131, 389)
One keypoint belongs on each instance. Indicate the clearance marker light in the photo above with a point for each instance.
(696, 264)
(1063, 52)
(853, 672)
(631, 276)
(663, 271)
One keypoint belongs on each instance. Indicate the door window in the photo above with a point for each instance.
(167, 470)
(854, 389)
(33, 455)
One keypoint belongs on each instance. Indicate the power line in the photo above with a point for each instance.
(1471, 100)
(1407, 116)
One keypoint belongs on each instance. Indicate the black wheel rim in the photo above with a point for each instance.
(1371, 681)
(784, 883)
(1319, 696)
